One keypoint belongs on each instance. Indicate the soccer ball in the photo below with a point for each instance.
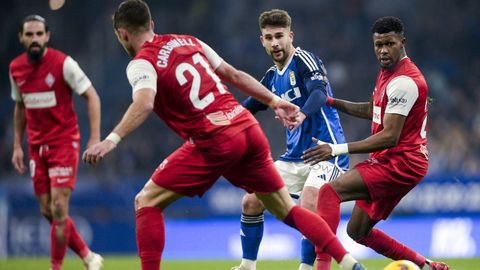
(401, 265)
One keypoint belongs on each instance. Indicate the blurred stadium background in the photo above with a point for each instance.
(440, 218)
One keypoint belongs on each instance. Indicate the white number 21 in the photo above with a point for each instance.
(199, 103)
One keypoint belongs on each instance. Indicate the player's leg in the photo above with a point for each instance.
(251, 231)
(150, 226)
(319, 174)
(60, 229)
(281, 205)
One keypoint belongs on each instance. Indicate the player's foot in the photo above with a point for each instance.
(239, 267)
(358, 266)
(436, 265)
(95, 262)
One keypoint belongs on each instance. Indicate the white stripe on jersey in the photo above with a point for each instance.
(307, 59)
(334, 140)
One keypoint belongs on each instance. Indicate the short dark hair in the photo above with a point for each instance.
(275, 17)
(388, 24)
(133, 15)
(31, 18)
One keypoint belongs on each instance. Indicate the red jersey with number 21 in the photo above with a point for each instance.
(404, 91)
(190, 97)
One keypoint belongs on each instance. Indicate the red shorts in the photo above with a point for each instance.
(389, 178)
(53, 166)
(244, 160)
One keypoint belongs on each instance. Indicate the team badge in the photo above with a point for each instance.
(293, 82)
(49, 80)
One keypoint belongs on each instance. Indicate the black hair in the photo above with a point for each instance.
(31, 18)
(133, 15)
(388, 24)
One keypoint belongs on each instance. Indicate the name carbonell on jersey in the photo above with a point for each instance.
(165, 51)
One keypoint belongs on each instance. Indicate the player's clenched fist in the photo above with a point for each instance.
(96, 153)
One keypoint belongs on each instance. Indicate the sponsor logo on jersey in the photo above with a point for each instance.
(293, 82)
(223, 118)
(377, 115)
(138, 79)
(39, 100)
(49, 80)
(291, 94)
(164, 53)
(62, 180)
(397, 101)
(60, 171)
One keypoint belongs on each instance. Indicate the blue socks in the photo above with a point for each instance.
(308, 252)
(251, 233)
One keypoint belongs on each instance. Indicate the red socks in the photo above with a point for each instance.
(59, 237)
(316, 230)
(150, 230)
(328, 207)
(389, 247)
(76, 242)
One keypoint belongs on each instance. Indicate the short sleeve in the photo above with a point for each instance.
(16, 96)
(75, 77)
(212, 56)
(402, 92)
(141, 74)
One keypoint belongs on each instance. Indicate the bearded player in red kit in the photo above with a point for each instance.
(43, 81)
(180, 78)
(398, 148)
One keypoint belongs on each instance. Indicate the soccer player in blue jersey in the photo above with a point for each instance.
(301, 78)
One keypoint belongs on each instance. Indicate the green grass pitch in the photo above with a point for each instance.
(133, 263)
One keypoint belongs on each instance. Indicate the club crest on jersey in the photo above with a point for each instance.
(293, 82)
(49, 80)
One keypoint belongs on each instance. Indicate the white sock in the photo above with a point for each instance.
(88, 258)
(347, 262)
(304, 266)
(248, 264)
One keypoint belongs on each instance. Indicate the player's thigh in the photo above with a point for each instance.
(320, 173)
(350, 186)
(191, 172)
(293, 174)
(278, 203)
(155, 195)
(38, 171)
(254, 171)
(62, 162)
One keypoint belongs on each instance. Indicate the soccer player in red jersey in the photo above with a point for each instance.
(398, 148)
(180, 78)
(43, 80)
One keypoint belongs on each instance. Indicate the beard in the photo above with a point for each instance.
(35, 52)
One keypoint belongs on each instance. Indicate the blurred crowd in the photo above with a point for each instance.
(442, 38)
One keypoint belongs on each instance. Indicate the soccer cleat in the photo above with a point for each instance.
(358, 266)
(437, 265)
(94, 263)
(239, 267)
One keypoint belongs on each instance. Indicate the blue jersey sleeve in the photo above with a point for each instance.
(314, 76)
(254, 105)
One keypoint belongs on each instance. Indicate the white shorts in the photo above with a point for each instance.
(297, 175)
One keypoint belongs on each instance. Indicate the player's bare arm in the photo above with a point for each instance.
(93, 110)
(135, 115)
(19, 130)
(357, 109)
(387, 138)
(285, 110)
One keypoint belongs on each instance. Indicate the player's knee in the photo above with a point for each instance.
(251, 205)
(355, 232)
(308, 200)
(46, 211)
(59, 209)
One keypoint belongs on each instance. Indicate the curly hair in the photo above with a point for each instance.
(388, 24)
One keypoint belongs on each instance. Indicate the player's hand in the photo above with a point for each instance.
(299, 120)
(92, 141)
(95, 153)
(17, 160)
(287, 113)
(321, 152)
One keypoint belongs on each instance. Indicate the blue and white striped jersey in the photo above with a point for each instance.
(304, 73)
